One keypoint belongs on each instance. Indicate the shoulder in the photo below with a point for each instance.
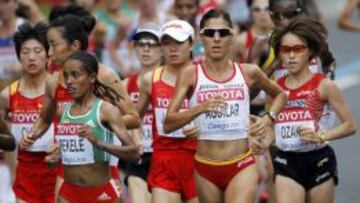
(52, 81)
(250, 69)
(108, 110)
(5, 97)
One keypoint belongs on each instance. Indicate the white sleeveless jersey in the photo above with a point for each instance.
(232, 124)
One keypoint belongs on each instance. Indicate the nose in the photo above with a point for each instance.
(291, 54)
(31, 55)
(217, 36)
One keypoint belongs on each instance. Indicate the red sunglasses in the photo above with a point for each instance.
(296, 49)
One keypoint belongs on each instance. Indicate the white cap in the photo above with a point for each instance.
(179, 30)
(151, 28)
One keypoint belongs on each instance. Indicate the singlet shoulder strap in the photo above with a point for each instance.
(269, 60)
(14, 86)
(157, 74)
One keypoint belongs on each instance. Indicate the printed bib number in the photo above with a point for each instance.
(288, 138)
(216, 122)
(74, 149)
(160, 114)
(146, 135)
(41, 144)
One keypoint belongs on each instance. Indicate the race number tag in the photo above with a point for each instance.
(288, 138)
(160, 114)
(22, 123)
(74, 149)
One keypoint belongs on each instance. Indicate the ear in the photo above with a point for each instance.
(75, 45)
(93, 78)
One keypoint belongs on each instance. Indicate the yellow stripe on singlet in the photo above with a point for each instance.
(14, 87)
(157, 74)
(269, 60)
(222, 163)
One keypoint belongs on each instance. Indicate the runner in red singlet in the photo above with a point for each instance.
(171, 178)
(21, 103)
(305, 165)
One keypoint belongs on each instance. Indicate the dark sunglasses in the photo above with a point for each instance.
(209, 32)
(296, 49)
(286, 14)
(257, 9)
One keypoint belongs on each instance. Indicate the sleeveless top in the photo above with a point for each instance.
(76, 150)
(328, 118)
(161, 95)
(23, 114)
(303, 108)
(146, 128)
(232, 124)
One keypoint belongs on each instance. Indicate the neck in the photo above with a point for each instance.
(217, 65)
(297, 79)
(34, 81)
(260, 31)
(85, 100)
(176, 69)
(146, 68)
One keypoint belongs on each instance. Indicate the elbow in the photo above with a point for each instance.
(352, 128)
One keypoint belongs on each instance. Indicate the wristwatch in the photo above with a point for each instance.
(272, 115)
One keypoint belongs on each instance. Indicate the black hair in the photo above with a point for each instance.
(197, 2)
(215, 13)
(75, 28)
(91, 65)
(26, 32)
(307, 29)
(299, 4)
(71, 9)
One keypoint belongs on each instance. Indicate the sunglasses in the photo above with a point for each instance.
(295, 49)
(147, 42)
(286, 14)
(257, 9)
(209, 32)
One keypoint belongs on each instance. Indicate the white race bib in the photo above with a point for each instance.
(147, 137)
(219, 122)
(288, 138)
(41, 144)
(160, 114)
(74, 150)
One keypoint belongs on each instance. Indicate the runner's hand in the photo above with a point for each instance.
(191, 131)
(53, 153)
(27, 140)
(308, 134)
(215, 104)
(258, 126)
(85, 131)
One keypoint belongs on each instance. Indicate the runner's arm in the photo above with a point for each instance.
(130, 115)
(331, 93)
(7, 141)
(110, 114)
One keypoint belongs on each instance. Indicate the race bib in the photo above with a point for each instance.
(160, 114)
(147, 137)
(229, 120)
(74, 149)
(41, 144)
(288, 138)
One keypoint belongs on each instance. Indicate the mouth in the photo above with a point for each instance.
(216, 48)
(71, 90)
(145, 57)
